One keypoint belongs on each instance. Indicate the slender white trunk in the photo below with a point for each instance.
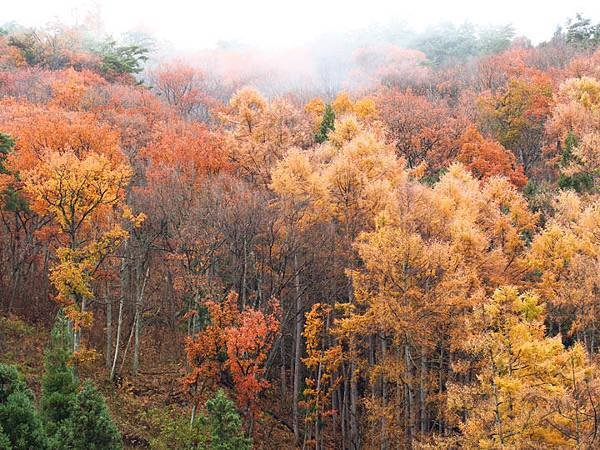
(119, 319)
(77, 331)
(108, 303)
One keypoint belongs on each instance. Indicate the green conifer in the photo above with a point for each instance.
(89, 426)
(327, 125)
(20, 423)
(58, 384)
(225, 424)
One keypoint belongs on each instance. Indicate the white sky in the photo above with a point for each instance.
(195, 24)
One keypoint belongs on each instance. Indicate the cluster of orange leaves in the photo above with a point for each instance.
(235, 342)
(486, 158)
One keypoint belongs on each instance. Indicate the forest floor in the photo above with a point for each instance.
(140, 405)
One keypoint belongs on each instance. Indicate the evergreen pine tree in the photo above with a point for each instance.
(10, 382)
(58, 385)
(89, 426)
(120, 59)
(12, 200)
(4, 441)
(6, 145)
(570, 144)
(225, 424)
(577, 181)
(20, 423)
(327, 125)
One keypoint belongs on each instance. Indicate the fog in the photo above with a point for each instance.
(311, 46)
(277, 24)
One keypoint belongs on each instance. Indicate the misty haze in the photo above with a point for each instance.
(299, 225)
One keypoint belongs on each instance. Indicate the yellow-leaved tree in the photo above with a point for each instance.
(83, 197)
(564, 259)
(435, 256)
(260, 132)
(322, 360)
(531, 391)
(345, 183)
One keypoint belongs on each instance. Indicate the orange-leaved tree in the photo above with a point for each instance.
(516, 116)
(248, 346)
(486, 158)
(232, 345)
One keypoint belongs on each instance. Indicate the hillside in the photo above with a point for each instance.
(205, 252)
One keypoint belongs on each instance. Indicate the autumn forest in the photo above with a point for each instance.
(397, 247)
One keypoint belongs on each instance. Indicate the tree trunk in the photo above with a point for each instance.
(119, 317)
(108, 303)
(345, 412)
(383, 439)
(282, 376)
(441, 391)
(15, 287)
(77, 331)
(408, 401)
(244, 274)
(138, 321)
(354, 438)
(422, 393)
(297, 352)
